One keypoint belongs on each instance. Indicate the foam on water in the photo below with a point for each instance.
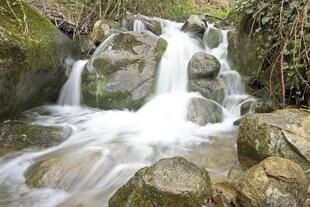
(125, 141)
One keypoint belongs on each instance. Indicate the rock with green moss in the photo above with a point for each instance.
(213, 89)
(274, 182)
(202, 111)
(243, 54)
(203, 65)
(283, 133)
(16, 135)
(213, 38)
(32, 58)
(61, 171)
(172, 182)
(123, 73)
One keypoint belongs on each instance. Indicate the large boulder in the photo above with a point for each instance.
(123, 72)
(33, 53)
(195, 24)
(203, 65)
(284, 133)
(16, 135)
(62, 171)
(213, 89)
(275, 182)
(172, 182)
(202, 111)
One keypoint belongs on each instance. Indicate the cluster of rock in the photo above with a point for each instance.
(274, 145)
(175, 182)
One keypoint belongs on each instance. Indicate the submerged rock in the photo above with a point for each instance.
(203, 65)
(213, 89)
(123, 71)
(15, 135)
(202, 111)
(172, 182)
(275, 182)
(194, 24)
(61, 171)
(284, 133)
(33, 53)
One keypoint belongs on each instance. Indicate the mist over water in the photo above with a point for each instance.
(121, 142)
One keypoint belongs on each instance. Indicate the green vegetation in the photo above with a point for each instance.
(282, 30)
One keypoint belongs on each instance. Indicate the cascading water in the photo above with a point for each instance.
(138, 26)
(71, 92)
(117, 143)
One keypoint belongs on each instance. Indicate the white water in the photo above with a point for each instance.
(71, 92)
(173, 65)
(124, 141)
(138, 26)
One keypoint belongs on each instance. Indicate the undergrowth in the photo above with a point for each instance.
(282, 28)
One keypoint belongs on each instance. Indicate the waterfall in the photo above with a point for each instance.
(181, 47)
(235, 90)
(71, 92)
(138, 26)
(106, 148)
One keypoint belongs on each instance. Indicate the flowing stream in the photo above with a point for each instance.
(106, 148)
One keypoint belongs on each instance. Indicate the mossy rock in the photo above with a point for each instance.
(123, 73)
(172, 182)
(32, 58)
(16, 135)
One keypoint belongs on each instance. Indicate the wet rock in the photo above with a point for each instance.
(202, 111)
(170, 182)
(194, 24)
(103, 29)
(284, 133)
(203, 65)
(61, 171)
(15, 135)
(247, 107)
(123, 72)
(275, 182)
(32, 58)
(209, 88)
(213, 38)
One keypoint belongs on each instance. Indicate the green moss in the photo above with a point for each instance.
(32, 55)
(160, 48)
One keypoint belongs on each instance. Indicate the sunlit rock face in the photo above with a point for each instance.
(284, 133)
(169, 182)
(274, 182)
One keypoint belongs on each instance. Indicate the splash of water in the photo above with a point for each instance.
(71, 92)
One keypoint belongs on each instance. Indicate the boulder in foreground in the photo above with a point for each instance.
(172, 182)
